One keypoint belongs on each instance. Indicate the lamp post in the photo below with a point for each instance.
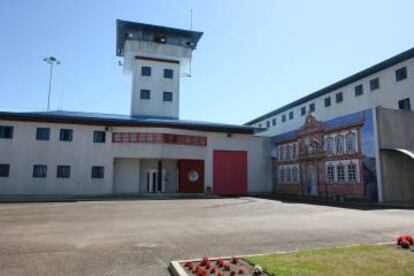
(51, 61)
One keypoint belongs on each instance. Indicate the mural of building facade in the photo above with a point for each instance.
(333, 159)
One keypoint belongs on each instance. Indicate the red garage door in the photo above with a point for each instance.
(191, 176)
(230, 172)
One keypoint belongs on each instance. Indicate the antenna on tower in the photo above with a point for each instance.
(191, 28)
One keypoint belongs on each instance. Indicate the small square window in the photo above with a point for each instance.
(284, 118)
(98, 172)
(291, 115)
(167, 96)
(267, 124)
(42, 133)
(359, 90)
(6, 132)
(168, 73)
(146, 71)
(404, 104)
(312, 107)
(39, 171)
(145, 94)
(339, 97)
(66, 135)
(99, 136)
(401, 74)
(303, 111)
(4, 170)
(327, 101)
(274, 121)
(374, 84)
(63, 171)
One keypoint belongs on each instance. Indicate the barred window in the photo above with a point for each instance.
(340, 170)
(329, 145)
(330, 173)
(281, 153)
(350, 142)
(288, 150)
(39, 171)
(294, 151)
(295, 175)
(339, 141)
(282, 175)
(63, 171)
(98, 172)
(352, 172)
(288, 175)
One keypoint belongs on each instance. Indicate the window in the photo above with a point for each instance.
(350, 142)
(401, 74)
(42, 134)
(63, 171)
(98, 172)
(359, 90)
(404, 104)
(66, 135)
(146, 71)
(4, 170)
(374, 84)
(282, 175)
(39, 171)
(168, 73)
(284, 118)
(339, 97)
(352, 172)
(287, 152)
(267, 124)
(99, 136)
(260, 125)
(291, 115)
(329, 145)
(312, 107)
(294, 151)
(330, 173)
(281, 153)
(339, 140)
(327, 101)
(288, 176)
(274, 121)
(145, 94)
(303, 111)
(167, 96)
(340, 170)
(295, 175)
(6, 132)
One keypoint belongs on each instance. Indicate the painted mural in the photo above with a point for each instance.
(333, 159)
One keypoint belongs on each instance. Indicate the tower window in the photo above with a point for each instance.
(274, 121)
(312, 107)
(145, 94)
(359, 90)
(401, 74)
(168, 73)
(303, 111)
(291, 115)
(339, 97)
(404, 104)
(284, 118)
(167, 96)
(42, 134)
(327, 101)
(267, 124)
(146, 71)
(374, 84)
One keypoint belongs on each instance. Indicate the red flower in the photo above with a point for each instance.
(232, 273)
(242, 270)
(405, 244)
(405, 241)
(189, 265)
(208, 265)
(219, 262)
(227, 267)
(219, 273)
(409, 239)
(204, 261)
(234, 260)
(212, 270)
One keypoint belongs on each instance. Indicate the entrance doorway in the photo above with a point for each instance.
(154, 185)
(311, 181)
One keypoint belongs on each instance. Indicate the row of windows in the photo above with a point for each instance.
(287, 152)
(341, 144)
(43, 134)
(145, 94)
(146, 71)
(374, 84)
(40, 171)
(289, 175)
(341, 173)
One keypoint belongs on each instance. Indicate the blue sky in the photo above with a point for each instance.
(254, 56)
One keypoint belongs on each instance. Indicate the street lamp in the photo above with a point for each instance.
(52, 61)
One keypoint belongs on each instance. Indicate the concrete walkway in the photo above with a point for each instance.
(140, 237)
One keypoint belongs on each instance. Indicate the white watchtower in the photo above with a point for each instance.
(157, 57)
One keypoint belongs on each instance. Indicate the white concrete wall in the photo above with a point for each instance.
(388, 95)
(23, 151)
(126, 176)
(157, 84)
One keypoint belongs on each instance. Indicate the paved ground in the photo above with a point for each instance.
(140, 237)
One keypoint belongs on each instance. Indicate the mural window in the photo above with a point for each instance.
(339, 141)
(288, 175)
(287, 152)
(329, 145)
(330, 173)
(281, 153)
(282, 175)
(352, 172)
(294, 151)
(340, 170)
(350, 142)
(295, 175)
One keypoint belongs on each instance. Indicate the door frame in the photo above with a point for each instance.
(153, 173)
